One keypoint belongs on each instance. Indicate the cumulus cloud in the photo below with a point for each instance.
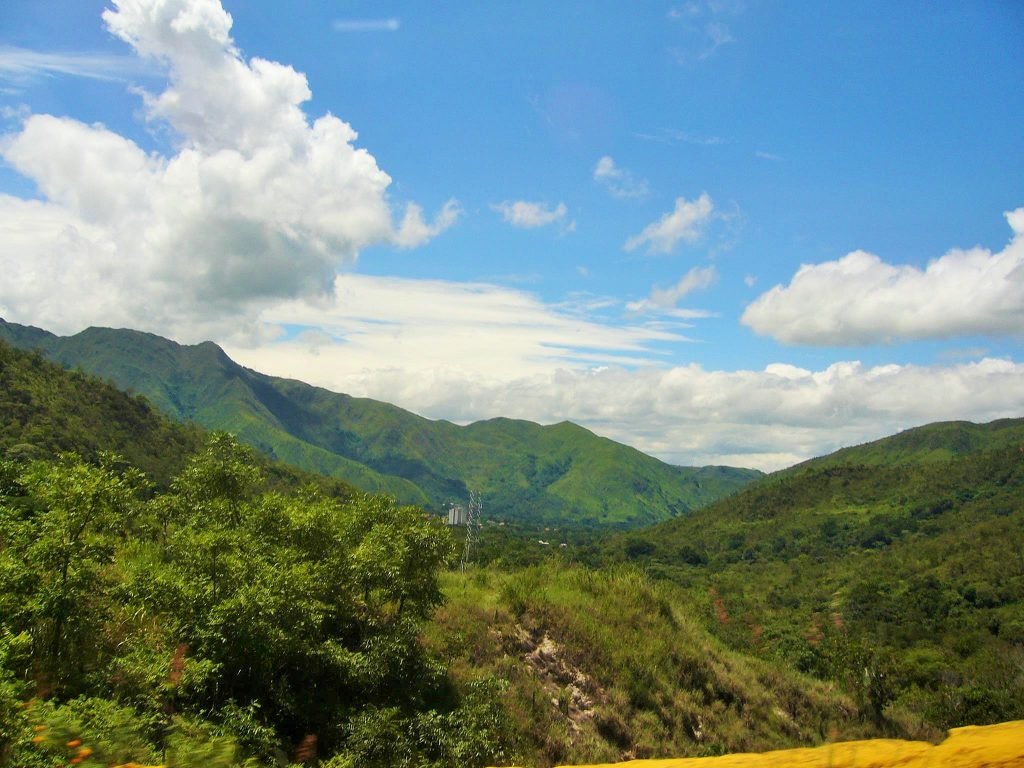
(415, 230)
(685, 222)
(618, 181)
(521, 213)
(257, 203)
(666, 299)
(860, 299)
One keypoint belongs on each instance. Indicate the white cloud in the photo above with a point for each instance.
(750, 281)
(674, 135)
(21, 64)
(662, 299)
(477, 328)
(685, 222)
(860, 299)
(415, 231)
(367, 25)
(618, 181)
(528, 215)
(470, 352)
(257, 204)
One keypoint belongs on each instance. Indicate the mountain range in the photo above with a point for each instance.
(560, 473)
(877, 590)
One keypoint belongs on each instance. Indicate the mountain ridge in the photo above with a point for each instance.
(526, 471)
(937, 441)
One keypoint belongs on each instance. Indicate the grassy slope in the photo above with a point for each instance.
(606, 665)
(525, 471)
(918, 562)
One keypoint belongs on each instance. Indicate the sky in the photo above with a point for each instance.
(722, 231)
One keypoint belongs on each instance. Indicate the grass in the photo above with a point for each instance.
(607, 665)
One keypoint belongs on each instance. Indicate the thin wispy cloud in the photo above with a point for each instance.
(391, 24)
(676, 136)
(705, 28)
(718, 35)
(23, 64)
(767, 156)
(665, 299)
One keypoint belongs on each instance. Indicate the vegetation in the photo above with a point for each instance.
(44, 411)
(607, 665)
(222, 616)
(526, 472)
(187, 602)
(902, 581)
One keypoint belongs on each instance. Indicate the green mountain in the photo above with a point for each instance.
(45, 410)
(937, 442)
(895, 568)
(525, 471)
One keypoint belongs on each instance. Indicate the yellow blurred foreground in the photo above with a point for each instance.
(988, 746)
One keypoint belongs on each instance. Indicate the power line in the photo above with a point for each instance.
(474, 524)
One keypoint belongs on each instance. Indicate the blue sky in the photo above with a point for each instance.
(721, 230)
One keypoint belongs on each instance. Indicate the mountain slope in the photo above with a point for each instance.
(940, 441)
(45, 410)
(525, 471)
(887, 567)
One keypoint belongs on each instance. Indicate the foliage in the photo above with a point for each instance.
(45, 411)
(219, 620)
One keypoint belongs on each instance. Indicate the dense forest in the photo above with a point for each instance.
(168, 596)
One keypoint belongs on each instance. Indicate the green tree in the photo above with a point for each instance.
(57, 545)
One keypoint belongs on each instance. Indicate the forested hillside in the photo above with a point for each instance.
(901, 579)
(525, 471)
(45, 410)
